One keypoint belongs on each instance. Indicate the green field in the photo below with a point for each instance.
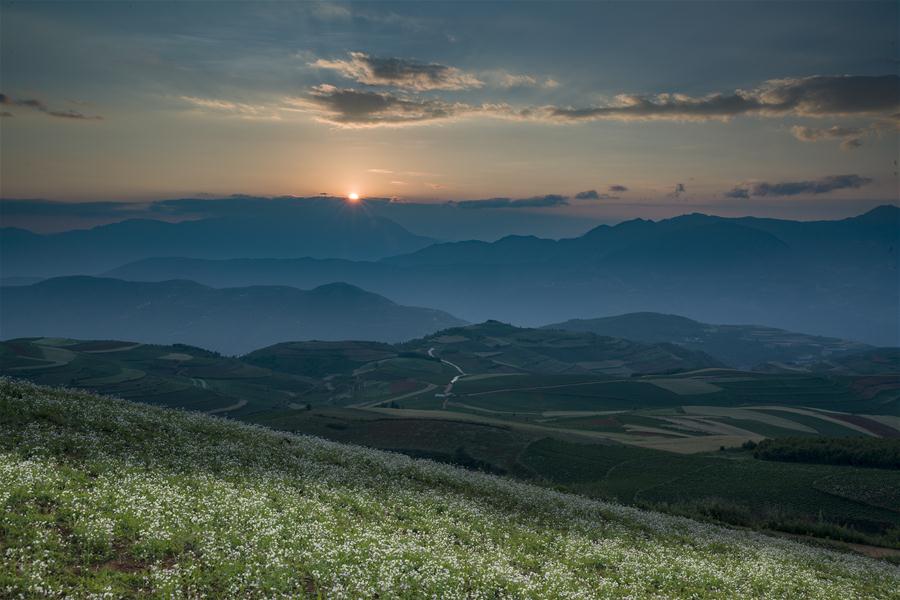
(176, 376)
(778, 493)
(649, 440)
(104, 498)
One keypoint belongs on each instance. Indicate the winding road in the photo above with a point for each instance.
(449, 387)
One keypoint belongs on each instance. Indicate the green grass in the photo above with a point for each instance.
(613, 395)
(99, 497)
(207, 381)
(823, 427)
(779, 493)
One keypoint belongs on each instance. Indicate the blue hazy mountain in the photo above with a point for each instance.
(318, 228)
(231, 320)
(835, 278)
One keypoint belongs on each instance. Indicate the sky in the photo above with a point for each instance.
(591, 111)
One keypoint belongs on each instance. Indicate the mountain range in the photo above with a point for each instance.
(229, 320)
(314, 227)
(834, 278)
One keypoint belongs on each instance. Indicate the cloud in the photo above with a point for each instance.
(594, 195)
(534, 202)
(400, 72)
(354, 108)
(795, 188)
(13, 207)
(850, 137)
(507, 80)
(737, 192)
(678, 191)
(329, 11)
(380, 171)
(618, 188)
(815, 96)
(39, 106)
(237, 109)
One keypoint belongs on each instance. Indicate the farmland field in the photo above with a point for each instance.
(651, 440)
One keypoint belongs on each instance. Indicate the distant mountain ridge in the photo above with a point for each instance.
(316, 228)
(832, 278)
(229, 320)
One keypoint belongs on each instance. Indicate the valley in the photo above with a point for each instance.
(657, 426)
(448, 300)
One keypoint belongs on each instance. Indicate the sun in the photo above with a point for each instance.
(353, 197)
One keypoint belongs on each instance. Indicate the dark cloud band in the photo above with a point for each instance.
(815, 96)
(39, 106)
(796, 188)
(534, 202)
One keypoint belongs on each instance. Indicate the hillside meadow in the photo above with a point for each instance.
(104, 498)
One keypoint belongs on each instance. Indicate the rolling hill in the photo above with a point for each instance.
(231, 320)
(101, 494)
(831, 278)
(873, 361)
(493, 346)
(661, 432)
(742, 346)
(176, 376)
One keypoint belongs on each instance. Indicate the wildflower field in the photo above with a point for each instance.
(101, 498)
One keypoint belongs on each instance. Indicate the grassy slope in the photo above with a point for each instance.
(99, 495)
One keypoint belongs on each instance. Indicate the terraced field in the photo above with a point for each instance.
(176, 376)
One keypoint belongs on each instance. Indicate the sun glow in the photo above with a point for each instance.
(353, 197)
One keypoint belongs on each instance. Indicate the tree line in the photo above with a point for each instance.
(854, 451)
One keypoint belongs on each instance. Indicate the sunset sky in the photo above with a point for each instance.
(596, 109)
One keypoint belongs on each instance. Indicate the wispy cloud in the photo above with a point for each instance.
(38, 105)
(400, 72)
(330, 11)
(533, 202)
(796, 188)
(849, 137)
(679, 190)
(238, 109)
(816, 96)
(10, 207)
(594, 195)
(356, 108)
(507, 80)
